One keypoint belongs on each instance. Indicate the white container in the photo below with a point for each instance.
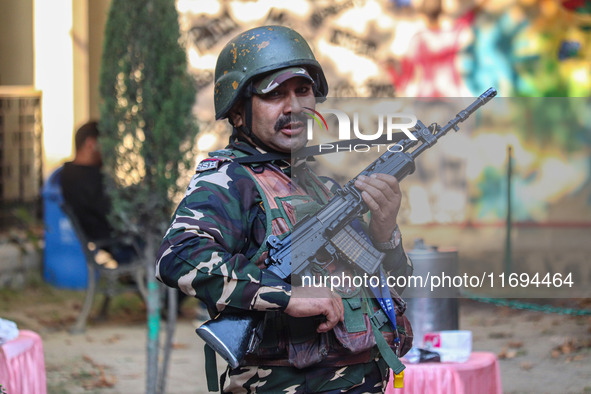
(452, 346)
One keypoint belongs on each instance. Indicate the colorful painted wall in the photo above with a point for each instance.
(527, 49)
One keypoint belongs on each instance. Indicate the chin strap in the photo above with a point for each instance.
(246, 128)
(254, 155)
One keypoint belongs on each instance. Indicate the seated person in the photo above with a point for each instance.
(83, 190)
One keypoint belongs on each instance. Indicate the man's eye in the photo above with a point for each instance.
(304, 89)
(272, 94)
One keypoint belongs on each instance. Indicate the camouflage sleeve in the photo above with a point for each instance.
(205, 253)
(330, 184)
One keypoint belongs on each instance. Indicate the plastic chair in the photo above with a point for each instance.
(130, 276)
(64, 264)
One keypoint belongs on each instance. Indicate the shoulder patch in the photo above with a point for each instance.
(211, 163)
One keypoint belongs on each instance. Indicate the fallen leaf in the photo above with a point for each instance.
(505, 311)
(499, 335)
(526, 366)
(567, 348)
(515, 344)
(506, 354)
(114, 339)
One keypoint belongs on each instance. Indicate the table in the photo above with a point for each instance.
(480, 374)
(22, 364)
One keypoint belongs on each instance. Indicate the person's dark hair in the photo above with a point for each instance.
(86, 131)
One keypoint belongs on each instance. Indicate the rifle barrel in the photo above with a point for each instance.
(460, 117)
(469, 110)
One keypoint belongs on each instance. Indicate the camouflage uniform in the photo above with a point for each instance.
(213, 248)
(207, 253)
(359, 378)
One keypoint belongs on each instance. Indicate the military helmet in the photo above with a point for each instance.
(256, 52)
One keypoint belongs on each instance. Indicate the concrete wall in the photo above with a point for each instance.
(88, 26)
(16, 42)
(18, 262)
(97, 17)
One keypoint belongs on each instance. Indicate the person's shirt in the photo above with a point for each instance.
(83, 191)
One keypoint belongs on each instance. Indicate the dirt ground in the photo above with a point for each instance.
(538, 352)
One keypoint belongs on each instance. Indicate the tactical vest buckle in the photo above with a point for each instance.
(379, 318)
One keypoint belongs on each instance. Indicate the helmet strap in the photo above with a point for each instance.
(246, 128)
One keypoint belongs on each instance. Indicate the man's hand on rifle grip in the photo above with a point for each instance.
(381, 193)
(306, 302)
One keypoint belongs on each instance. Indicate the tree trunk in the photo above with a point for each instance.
(153, 318)
(170, 328)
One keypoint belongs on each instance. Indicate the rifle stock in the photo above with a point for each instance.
(232, 335)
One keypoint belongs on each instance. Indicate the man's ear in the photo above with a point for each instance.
(236, 117)
(92, 143)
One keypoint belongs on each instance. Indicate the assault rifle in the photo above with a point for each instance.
(233, 336)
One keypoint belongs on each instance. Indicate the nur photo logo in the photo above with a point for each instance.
(387, 124)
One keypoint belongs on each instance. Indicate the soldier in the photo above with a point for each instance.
(215, 247)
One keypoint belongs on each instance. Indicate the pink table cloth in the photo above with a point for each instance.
(480, 374)
(22, 365)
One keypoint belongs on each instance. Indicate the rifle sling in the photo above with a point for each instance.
(385, 350)
(211, 370)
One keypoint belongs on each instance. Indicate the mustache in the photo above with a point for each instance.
(284, 120)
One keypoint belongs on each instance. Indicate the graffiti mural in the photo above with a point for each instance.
(491, 59)
(429, 67)
(384, 48)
